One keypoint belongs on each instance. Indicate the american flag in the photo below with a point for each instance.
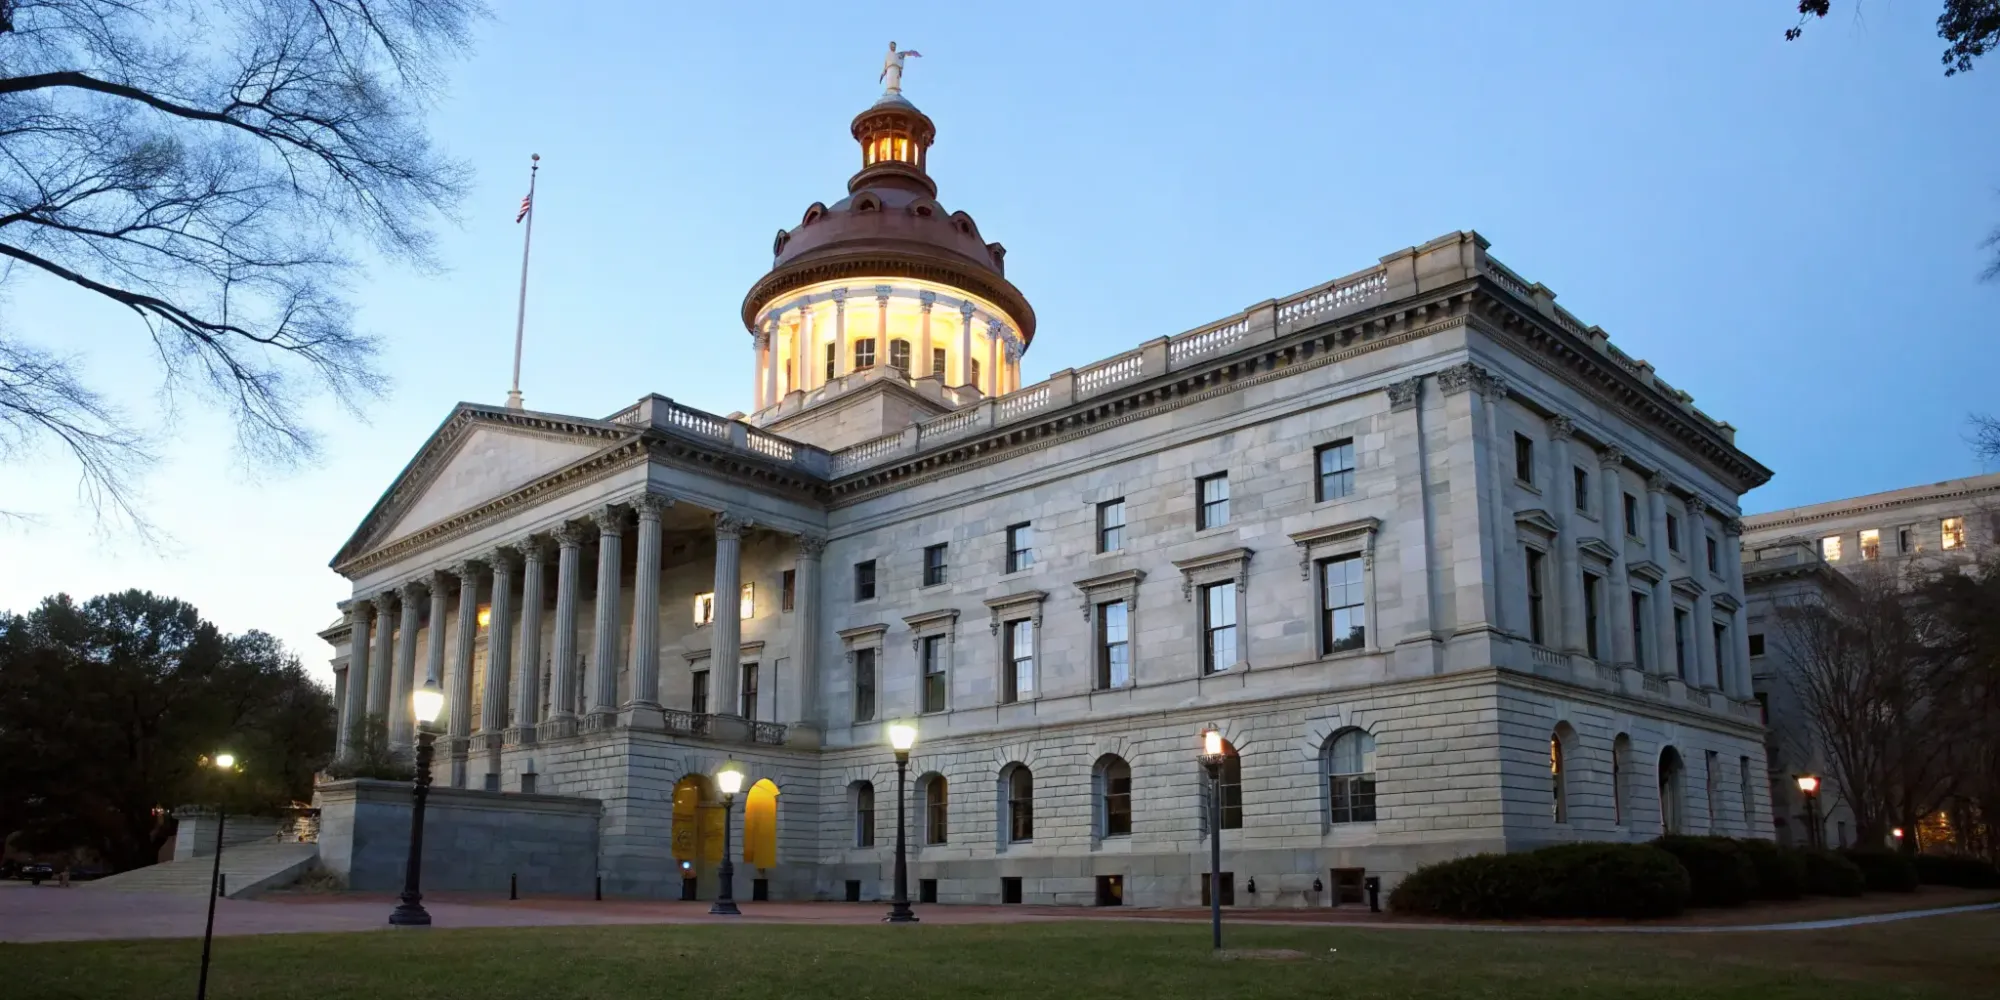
(527, 202)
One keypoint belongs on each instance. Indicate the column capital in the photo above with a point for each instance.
(610, 519)
(346, 608)
(649, 505)
(928, 298)
(1696, 506)
(530, 547)
(839, 296)
(1732, 526)
(1403, 395)
(467, 571)
(1656, 483)
(1561, 428)
(812, 546)
(730, 525)
(385, 603)
(763, 339)
(967, 308)
(413, 591)
(502, 558)
(1612, 457)
(1460, 377)
(568, 535)
(882, 293)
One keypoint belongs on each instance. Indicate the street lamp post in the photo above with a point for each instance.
(902, 736)
(427, 702)
(1809, 787)
(1212, 756)
(730, 780)
(225, 763)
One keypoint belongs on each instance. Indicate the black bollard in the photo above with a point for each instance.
(1374, 885)
(600, 888)
(513, 887)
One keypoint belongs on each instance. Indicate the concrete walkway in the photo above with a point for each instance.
(51, 914)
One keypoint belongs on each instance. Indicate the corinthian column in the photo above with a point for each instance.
(965, 343)
(603, 707)
(562, 713)
(1663, 591)
(402, 714)
(842, 357)
(1563, 488)
(1617, 605)
(528, 657)
(645, 701)
(771, 362)
(384, 660)
(440, 589)
(1704, 602)
(460, 727)
(920, 366)
(1738, 682)
(356, 708)
(725, 651)
(499, 654)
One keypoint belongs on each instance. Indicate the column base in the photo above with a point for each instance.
(642, 715)
(1632, 680)
(459, 768)
(1677, 690)
(490, 740)
(557, 728)
(521, 736)
(599, 720)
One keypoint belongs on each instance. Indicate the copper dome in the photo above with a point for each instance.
(890, 225)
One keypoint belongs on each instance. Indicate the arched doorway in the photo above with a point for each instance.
(760, 825)
(1670, 791)
(697, 833)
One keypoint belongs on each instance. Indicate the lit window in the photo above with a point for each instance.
(1871, 545)
(1111, 525)
(1343, 612)
(704, 608)
(1829, 548)
(899, 354)
(1350, 778)
(1212, 505)
(864, 353)
(748, 604)
(1335, 463)
(1954, 533)
(485, 616)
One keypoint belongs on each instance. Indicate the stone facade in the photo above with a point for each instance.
(473, 841)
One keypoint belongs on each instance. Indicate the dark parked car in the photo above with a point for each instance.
(35, 872)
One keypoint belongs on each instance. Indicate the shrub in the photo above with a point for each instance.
(368, 754)
(1781, 872)
(1965, 873)
(1571, 880)
(1719, 873)
(1829, 874)
(1884, 871)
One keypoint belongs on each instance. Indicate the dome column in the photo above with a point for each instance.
(771, 362)
(992, 358)
(840, 353)
(921, 364)
(965, 343)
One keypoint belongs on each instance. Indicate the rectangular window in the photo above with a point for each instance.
(749, 692)
(1218, 626)
(698, 704)
(1639, 630)
(1020, 547)
(1756, 644)
(1681, 643)
(972, 372)
(704, 608)
(937, 361)
(1591, 583)
(1953, 531)
(1212, 506)
(788, 589)
(1714, 562)
(927, 887)
(1114, 645)
(864, 685)
(1673, 533)
(1829, 548)
(1524, 459)
(934, 564)
(1335, 463)
(899, 354)
(1010, 889)
(1019, 681)
(1871, 544)
(864, 823)
(1226, 881)
(864, 580)
(746, 606)
(931, 656)
(1342, 610)
(1903, 542)
(1631, 515)
(864, 353)
(1721, 650)
(832, 360)
(1117, 801)
(1111, 525)
(1535, 630)
(1581, 487)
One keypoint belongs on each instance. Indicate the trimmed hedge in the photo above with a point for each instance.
(1965, 873)
(1781, 872)
(1885, 871)
(1632, 881)
(1829, 874)
(1720, 873)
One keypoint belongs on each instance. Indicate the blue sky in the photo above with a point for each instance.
(1790, 231)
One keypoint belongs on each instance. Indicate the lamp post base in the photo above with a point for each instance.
(900, 913)
(410, 915)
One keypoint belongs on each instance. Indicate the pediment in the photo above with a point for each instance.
(478, 454)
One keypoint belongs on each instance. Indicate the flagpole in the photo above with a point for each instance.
(521, 310)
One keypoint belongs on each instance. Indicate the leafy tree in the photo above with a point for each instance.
(107, 709)
(214, 166)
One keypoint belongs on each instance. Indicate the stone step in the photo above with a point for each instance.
(247, 869)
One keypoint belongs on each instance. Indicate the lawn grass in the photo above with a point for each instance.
(1957, 956)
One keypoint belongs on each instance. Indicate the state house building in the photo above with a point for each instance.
(1449, 571)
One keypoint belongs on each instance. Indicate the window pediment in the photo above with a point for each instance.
(1212, 567)
(1687, 586)
(1726, 601)
(1536, 519)
(861, 634)
(1647, 570)
(927, 620)
(1360, 531)
(1597, 549)
(1109, 587)
(1030, 600)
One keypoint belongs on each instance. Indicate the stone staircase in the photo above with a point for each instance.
(246, 869)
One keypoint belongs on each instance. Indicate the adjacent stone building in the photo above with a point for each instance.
(1448, 570)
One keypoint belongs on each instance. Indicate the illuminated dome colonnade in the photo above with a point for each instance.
(922, 328)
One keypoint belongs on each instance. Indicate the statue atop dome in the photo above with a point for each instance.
(892, 69)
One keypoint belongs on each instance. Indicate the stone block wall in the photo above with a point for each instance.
(473, 840)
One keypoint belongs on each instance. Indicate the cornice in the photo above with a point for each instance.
(1751, 523)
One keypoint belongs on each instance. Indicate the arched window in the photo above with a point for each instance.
(864, 353)
(760, 825)
(1232, 791)
(861, 795)
(1744, 789)
(1670, 791)
(1017, 784)
(1621, 772)
(1558, 779)
(1113, 779)
(899, 355)
(937, 810)
(1350, 777)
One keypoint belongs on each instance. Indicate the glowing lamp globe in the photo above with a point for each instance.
(1808, 784)
(1211, 742)
(225, 761)
(902, 736)
(428, 702)
(729, 779)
